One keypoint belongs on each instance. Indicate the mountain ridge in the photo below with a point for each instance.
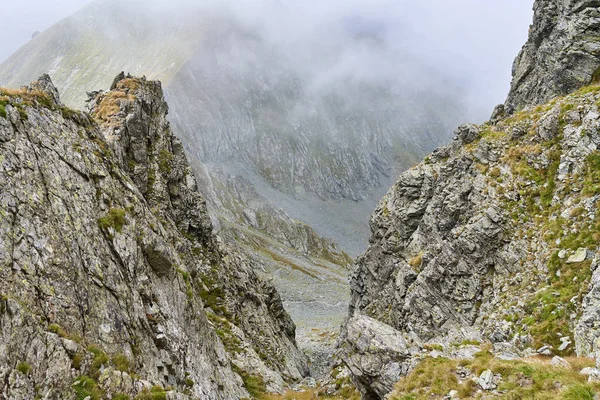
(110, 265)
(488, 249)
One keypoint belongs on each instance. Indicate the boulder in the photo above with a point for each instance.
(486, 380)
(376, 354)
(580, 255)
(560, 362)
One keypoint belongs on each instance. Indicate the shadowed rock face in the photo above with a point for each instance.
(108, 264)
(561, 55)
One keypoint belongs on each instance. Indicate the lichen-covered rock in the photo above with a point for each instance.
(561, 55)
(111, 278)
(587, 333)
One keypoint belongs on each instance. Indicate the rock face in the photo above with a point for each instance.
(495, 236)
(493, 233)
(112, 279)
(561, 55)
(376, 354)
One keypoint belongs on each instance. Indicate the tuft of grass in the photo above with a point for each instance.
(114, 219)
(156, 393)
(579, 392)
(110, 104)
(57, 329)
(223, 330)
(76, 361)
(100, 359)
(254, 384)
(591, 184)
(416, 261)
(433, 346)
(165, 161)
(87, 388)
(596, 76)
(24, 368)
(121, 363)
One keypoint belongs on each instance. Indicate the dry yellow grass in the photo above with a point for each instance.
(30, 96)
(527, 378)
(111, 103)
(416, 261)
(129, 83)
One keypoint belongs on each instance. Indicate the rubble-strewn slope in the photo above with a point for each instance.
(310, 272)
(561, 55)
(112, 280)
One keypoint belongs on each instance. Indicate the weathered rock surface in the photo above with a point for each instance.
(495, 236)
(492, 234)
(561, 55)
(112, 279)
(376, 354)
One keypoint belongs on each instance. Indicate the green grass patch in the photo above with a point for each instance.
(100, 359)
(165, 161)
(254, 384)
(156, 393)
(24, 368)
(521, 379)
(223, 329)
(87, 388)
(114, 219)
(121, 363)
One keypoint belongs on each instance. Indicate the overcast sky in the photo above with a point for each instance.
(21, 18)
(474, 40)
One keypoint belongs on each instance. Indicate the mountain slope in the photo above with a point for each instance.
(245, 102)
(85, 51)
(493, 238)
(109, 266)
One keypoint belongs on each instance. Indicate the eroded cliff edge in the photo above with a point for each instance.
(112, 279)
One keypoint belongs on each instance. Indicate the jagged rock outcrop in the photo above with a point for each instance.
(493, 234)
(112, 280)
(561, 55)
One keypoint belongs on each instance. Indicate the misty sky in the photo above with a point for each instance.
(474, 40)
(24, 17)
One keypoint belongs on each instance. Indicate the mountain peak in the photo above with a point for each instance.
(561, 55)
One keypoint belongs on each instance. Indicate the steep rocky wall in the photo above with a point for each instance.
(112, 280)
(561, 55)
(495, 236)
(492, 238)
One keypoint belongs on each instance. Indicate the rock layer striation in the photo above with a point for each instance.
(112, 279)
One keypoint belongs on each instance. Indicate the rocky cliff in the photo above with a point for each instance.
(113, 283)
(561, 55)
(493, 238)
